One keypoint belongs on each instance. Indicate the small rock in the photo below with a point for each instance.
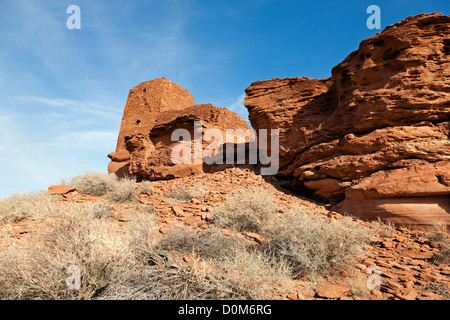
(61, 189)
(254, 236)
(377, 293)
(410, 294)
(293, 296)
(333, 291)
(361, 267)
(178, 211)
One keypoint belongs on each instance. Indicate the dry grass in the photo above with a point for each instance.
(209, 245)
(114, 263)
(38, 269)
(440, 234)
(101, 184)
(314, 246)
(358, 283)
(94, 183)
(31, 205)
(99, 210)
(125, 262)
(386, 228)
(78, 236)
(197, 191)
(256, 274)
(122, 189)
(260, 275)
(246, 210)
(145, 187)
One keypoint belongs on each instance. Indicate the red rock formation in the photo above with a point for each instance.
(376, 133)
(144, 103)
(153, 111)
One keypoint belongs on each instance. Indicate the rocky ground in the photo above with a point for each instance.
(407, 259)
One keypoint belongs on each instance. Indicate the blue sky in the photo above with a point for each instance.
(62, 92)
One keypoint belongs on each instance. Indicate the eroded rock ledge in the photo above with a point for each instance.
(375, 135)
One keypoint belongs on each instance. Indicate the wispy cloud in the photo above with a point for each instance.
(238, 104)
(88, 140)
(79, 107)
(62, 92)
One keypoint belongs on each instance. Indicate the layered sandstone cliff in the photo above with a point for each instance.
(375, 135)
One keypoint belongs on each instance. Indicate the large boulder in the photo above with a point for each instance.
(374, 135)
(154, 110)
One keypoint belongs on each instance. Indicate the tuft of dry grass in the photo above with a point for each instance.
(197, 191)
(102, 210)
(260, 275)
(440, 234)
(386, 228)
(358, 283)
(94, 183)
(256, 274)
(314, 246)
(78, 240)
(145, 187)
(123, 189)
(31, 205)
(246, 210)
(101, 184)
(209, 245)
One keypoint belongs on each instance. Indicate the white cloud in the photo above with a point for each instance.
(76, 106)
(88, 140)
(238, 104)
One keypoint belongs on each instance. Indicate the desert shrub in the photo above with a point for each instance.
(38, 268)
(197, 190)
(179, 193)
(100, 184)
(246, 210)
(99, 210)
(30, 205)
(94, 183)
(122, 189)
(145, 187)
(314, 246)
(208, 245)
(125, 262)
(358, 282)
(258, 275)
(158, 280)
